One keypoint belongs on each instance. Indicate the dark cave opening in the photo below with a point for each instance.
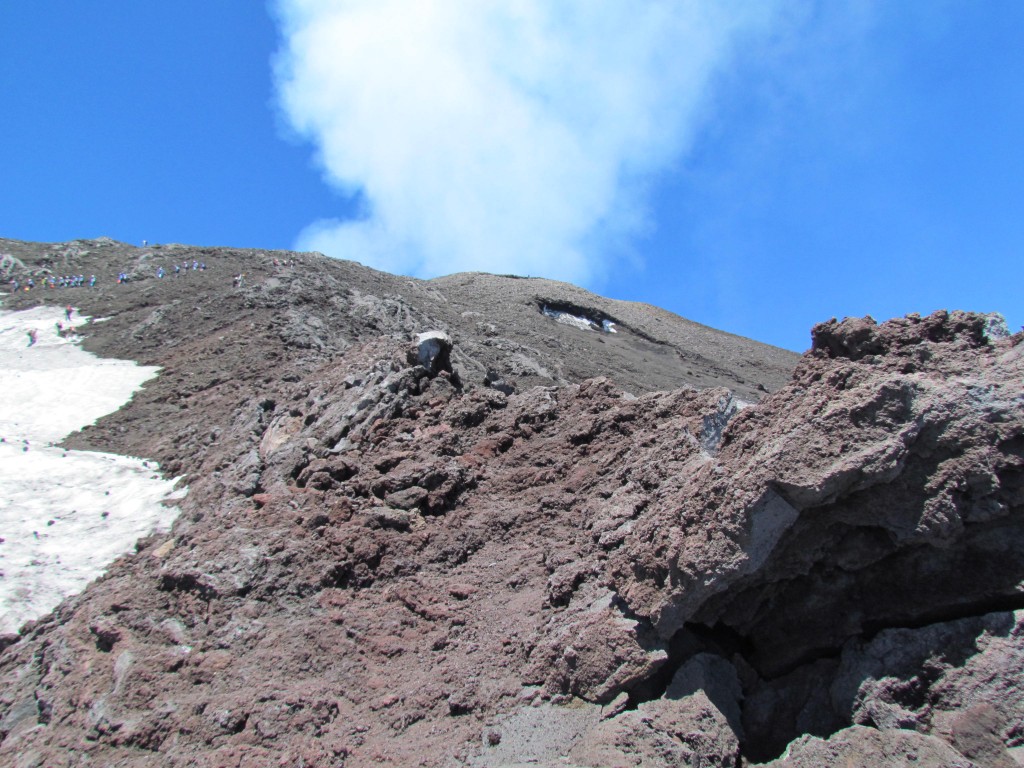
(789, 639)
(691, 640)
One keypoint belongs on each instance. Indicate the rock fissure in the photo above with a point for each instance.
(824, 667)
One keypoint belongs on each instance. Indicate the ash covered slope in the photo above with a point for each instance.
(497, 322)
(218, 346)
(650, 348)
(378, 565)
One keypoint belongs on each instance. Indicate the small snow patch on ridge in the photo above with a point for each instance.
(576, 318)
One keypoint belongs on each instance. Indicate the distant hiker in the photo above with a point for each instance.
(160, 272)
(202, 266)
(68, 311)
(92, 281)
(30, 284)
(14, 285)
(237, 281)
(177, 270)
(195, 265)
(33, 336)
(60, 328)
(145, 243)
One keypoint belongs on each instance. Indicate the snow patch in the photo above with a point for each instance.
(578, 321)
(64, 515)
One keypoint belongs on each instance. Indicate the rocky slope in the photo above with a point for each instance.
(541, 543)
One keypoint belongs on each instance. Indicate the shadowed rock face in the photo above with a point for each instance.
(387, 558)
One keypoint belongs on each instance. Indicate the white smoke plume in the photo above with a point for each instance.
(509, 136)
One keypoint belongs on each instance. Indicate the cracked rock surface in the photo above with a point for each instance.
(661, 546)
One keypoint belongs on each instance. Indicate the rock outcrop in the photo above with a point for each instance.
(411, 548)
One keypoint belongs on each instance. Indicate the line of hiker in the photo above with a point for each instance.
(52, 282)
(79, 281)
(184, 268)
(178, 269)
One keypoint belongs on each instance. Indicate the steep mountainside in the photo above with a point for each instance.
(525, 539)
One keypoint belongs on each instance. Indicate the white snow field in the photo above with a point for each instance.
(64, 515)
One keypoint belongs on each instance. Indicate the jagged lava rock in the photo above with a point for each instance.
(382, 561)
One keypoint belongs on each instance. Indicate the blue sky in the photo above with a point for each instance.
(754, 167)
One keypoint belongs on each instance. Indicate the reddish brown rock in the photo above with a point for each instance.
(383, 564)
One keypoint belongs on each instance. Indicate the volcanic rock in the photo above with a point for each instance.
(659, 546)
